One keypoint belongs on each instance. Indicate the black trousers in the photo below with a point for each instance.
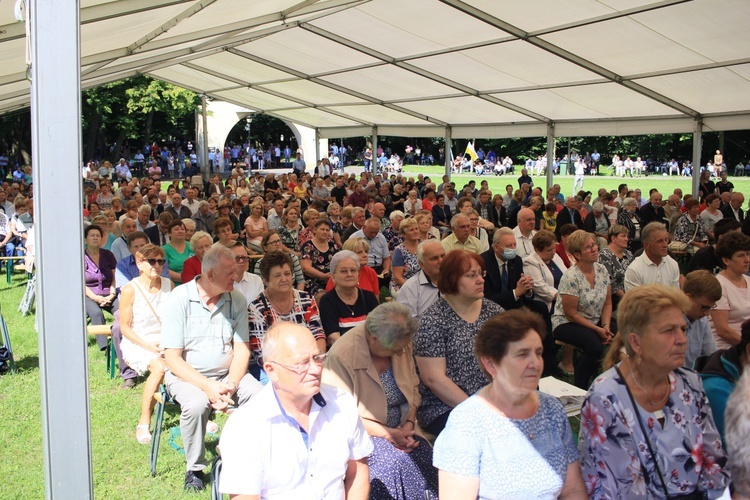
(590, 343)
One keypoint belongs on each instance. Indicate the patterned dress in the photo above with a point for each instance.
(444, 334)
(320, 261)
(289, 238)
(403, 257)
(590, 300)
(395, 474)
(615, 267)
(615, 454)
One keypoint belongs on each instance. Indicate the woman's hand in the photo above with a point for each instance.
(398, 438)
(155, 347)
(606, 335)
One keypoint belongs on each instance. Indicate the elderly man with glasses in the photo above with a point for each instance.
(297, 438)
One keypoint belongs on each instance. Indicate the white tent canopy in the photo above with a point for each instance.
(484, 68)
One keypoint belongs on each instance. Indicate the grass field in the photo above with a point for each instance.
(120, 464)
(592, 183)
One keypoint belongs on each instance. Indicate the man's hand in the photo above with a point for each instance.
(524, 285)
(219, 394)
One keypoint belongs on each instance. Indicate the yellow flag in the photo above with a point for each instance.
(470, 151)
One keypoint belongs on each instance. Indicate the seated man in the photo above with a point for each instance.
(421, 290)
(310, 442)
(206, 346)
(704, 290)
(461, 237)
(654, 265)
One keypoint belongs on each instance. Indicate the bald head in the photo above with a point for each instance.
(526, 221)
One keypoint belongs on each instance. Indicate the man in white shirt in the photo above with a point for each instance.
(297, 438)
(524, 232)
(191, 200)
(654, 265)
(274, 215)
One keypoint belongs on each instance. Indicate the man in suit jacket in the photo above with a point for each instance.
(505, 282)
(158, 234)
(653, 211)
(485, 209)
(569, 214)
(733, 209)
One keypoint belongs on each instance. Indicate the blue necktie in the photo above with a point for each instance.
(504, 276)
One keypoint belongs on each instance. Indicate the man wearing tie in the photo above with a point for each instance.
(505, 282)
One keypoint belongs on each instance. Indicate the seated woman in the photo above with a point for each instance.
(280, 302)
(272, 242)
(256, 226)
(177, 250)
(223, 228)
(368, 278)
(546, 268)
(289, 230)
(584, 306)
(616, 258)
(733, 249)
(310, 217)
(200, 242)
(426, 230)
(444, 343)
(646, 426)
(346, 306)
(140, 322)
(315, 258)
(629, 218)
(374, 362)
(404, 262)
(473, 453)
(562, 249)
(690, 229)
(99, 276)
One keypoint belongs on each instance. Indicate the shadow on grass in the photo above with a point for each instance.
(27, 363)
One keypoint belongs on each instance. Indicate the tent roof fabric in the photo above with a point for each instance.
(484, 68)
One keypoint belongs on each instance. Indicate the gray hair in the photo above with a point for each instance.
(340, 256)
(650, 229)
(737, 435)
(188, 223)
(423, 246)
(203, 203)
(456, 219)
(197, 236)
(598, 207)
(628, 201)
(397, 213)
(215, 256)
(143, 209)
(391, 322)
(500, 232)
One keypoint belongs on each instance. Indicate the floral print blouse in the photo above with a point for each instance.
(590, 300)
(614, 453)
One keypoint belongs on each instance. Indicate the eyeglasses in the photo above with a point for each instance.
(238, 259)
(591, 248)
(476, 274)
(274, 242)
(706, 308)
(153, 262)
(304, 366)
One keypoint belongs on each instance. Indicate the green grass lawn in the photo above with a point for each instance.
(592, 183)
(120, 464)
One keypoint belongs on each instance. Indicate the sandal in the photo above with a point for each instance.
(142, 437)
(569, 373)
(212, 427)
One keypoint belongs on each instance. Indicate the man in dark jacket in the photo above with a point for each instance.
(653, 211)
(569, 214)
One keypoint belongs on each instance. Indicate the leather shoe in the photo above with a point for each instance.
(128, 383)
(194, 481)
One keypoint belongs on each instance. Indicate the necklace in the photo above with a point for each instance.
(352, 307)
(662, 400)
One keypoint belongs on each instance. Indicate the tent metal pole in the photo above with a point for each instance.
(56, 126)
(550, 154)
(375, 161)
(205, 167)
(697, 155)
(448, 140)
(317, 149)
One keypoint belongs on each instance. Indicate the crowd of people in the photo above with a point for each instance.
(374, 316)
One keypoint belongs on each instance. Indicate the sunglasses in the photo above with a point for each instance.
(153, 262)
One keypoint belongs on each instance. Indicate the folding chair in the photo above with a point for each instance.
(106, 330)
(215, 477)
(162, 398)
(6, 343)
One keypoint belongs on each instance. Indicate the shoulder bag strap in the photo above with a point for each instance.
(645, 436)
(143, 294)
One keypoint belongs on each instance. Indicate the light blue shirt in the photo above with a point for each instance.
(206, 337)
(378, 248)
(700, 340)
